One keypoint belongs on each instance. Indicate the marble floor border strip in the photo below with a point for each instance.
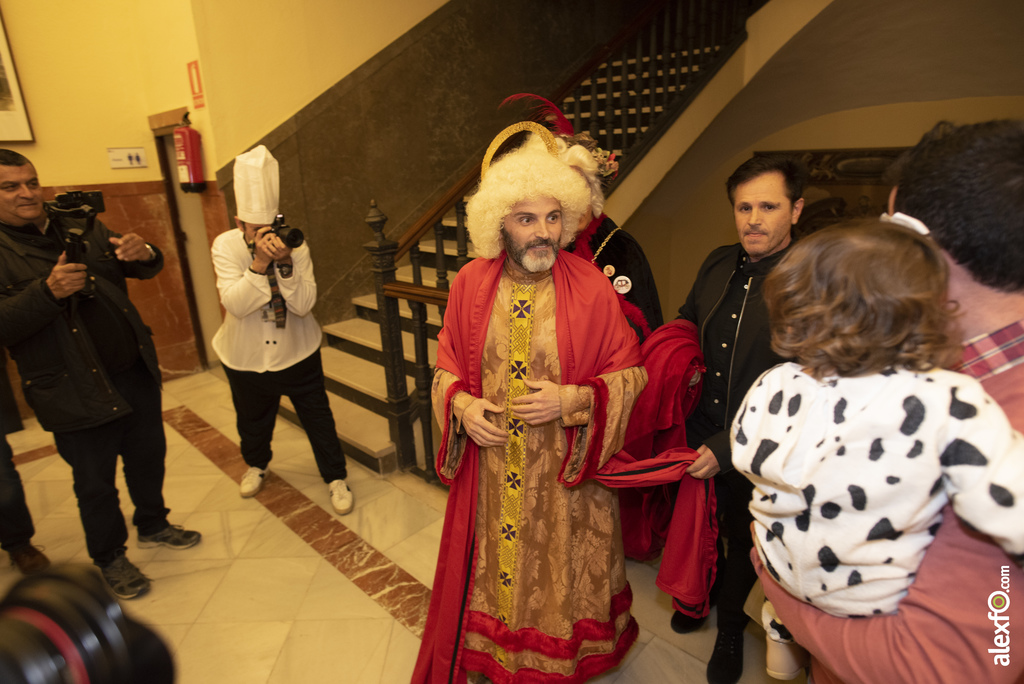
(35, 454)
(394, 589)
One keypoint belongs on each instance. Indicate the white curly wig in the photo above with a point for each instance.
(530, 172)
(580, 158)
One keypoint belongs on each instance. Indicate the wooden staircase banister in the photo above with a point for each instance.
(448, 200)
(417, 293)
(437, 212)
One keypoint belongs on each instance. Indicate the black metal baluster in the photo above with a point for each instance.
(691, 36)
(652, 75)
(638, 97)
(439, 260)
(462, 247)
(677, 46)
(382, 253)
(424, 373)
(609, 106)
(624, 100)
(703, 34)
(665, 56)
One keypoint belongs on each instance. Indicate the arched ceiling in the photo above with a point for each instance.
(861, 53)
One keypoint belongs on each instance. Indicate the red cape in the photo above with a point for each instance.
(653, 517)
(594, 338)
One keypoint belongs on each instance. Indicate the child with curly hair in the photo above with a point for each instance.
(855, 448)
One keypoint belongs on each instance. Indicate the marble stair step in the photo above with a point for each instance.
(367, 333)
(404, 275)
(370, 302)
(364, 434)
(361, 375)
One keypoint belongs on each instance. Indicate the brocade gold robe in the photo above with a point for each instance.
(563, 614)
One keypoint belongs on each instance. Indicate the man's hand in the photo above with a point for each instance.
(66, 279)
(131, 247)
(479, 429)
(706, 464)
(269, 248)
(541, 406)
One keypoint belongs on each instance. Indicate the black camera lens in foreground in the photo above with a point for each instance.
(63, 626)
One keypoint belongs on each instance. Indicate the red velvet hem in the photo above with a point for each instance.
(532, 639)
(586, 668)
(595, 440)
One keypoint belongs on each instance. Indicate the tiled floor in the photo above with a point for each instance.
(281, 589)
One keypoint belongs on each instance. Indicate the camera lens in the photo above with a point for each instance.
(292, 237)
(64, 626)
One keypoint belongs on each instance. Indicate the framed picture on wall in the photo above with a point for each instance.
(14, 124)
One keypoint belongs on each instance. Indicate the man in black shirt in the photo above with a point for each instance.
(88, 365)
(725, 304)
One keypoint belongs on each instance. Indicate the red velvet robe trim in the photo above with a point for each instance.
(607, 344)
(532, 639)
(588, 667)
(599, 415)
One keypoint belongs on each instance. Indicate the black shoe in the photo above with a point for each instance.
(28, 559)
(684, 624)
(726, 664)
(172, 536)
(125, 580)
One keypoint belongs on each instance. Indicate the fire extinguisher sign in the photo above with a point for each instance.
(198, 99)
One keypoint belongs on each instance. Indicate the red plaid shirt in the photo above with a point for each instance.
(988, 355)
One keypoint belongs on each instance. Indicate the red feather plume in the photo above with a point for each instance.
(544, 112)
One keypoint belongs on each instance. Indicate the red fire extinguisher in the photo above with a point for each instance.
(189, 154)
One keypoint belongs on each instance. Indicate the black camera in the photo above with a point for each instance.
(62, 625)
(82, 202)
(291, 237)
(77, 204)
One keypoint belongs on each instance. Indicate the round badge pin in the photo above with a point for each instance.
(609, 270)
(622, 284)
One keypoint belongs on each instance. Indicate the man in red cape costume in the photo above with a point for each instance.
(537, 372)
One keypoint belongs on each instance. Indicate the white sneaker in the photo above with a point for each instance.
(341, 497)
(252, 482)
(785, 661)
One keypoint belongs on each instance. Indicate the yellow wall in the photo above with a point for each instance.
(707, 221)
(91, 73)
(266, 59)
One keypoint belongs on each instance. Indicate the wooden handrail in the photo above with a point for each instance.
(417, 293)
(447, 201)
(436, 212)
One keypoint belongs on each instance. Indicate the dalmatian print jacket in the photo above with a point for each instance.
(850, 476)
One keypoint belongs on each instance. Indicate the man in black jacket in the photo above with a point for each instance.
(88, 365)
(726, 306)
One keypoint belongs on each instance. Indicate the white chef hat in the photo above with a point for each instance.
(256, 186)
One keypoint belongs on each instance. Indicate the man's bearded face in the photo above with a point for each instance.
(531, 234)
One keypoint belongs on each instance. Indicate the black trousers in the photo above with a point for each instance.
(257, 397)
(736, 572)
(16, 527)
(92, 454)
